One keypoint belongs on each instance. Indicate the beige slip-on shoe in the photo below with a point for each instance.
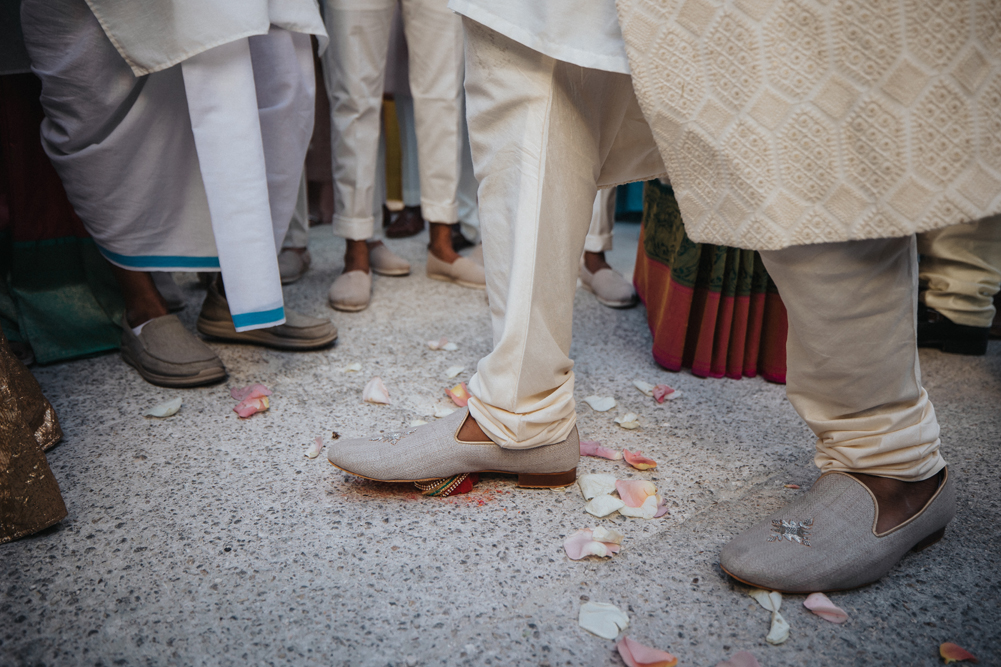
(168, 355)
(292, 264)
(433, 452)
(385, 262)
(610, 288)
(351, 291)
(826, 540)
(299, 333)
(476, 254)
(462, 271)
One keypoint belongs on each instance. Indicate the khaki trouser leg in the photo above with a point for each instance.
(853, 370)
(962, 266)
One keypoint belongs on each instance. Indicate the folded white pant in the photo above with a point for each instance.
(599, 234)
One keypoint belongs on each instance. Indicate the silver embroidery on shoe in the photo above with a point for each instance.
(794, 531)
(392, 438)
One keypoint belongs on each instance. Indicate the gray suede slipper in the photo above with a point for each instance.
(168, 355)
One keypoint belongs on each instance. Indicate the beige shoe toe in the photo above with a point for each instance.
(462, 271)
(385, 262)
(351, 291)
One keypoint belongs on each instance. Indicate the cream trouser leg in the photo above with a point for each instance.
(853, 371)
(962, 266)
(297, 235)
(599, 234)
(543, 135)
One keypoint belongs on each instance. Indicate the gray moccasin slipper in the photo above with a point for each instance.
(433, 451)
(826, 540)
(168, 355)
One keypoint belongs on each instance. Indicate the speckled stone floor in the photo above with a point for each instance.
(204, 539)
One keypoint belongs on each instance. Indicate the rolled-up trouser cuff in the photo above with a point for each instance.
(354, 229)
(437, 212)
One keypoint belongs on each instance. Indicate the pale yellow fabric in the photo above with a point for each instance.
(786, 122)
(961, 266)
(853, 371)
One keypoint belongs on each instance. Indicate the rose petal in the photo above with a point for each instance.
(606, 535)
(791, 486)
(630, 421)
(594, 448)
(165, 409)
(647, 510)
(600, 403)
(453, 371)
(661, 508)
(442, 411)
(449, 347)
(592, 486)
(375, 392)
(822, 606)
(250, 406)
(602, 619)
(459, 394)
(772, 601)
(437, 344)
(741, 659)
(351, 368)
(315, 448)
(953, 653)
(644, 387)
(255, 390)
(635, 654)
(581, 544)
(601, 506)
(662, 392)
(417, 422)
(634, 492)
(638, 461)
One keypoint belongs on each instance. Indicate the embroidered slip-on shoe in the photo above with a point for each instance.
(168, 355)
(826, 540)
(351, 291)
(385, 262)
(610, 288)
(462, 271)
(433, 452)
(299, 333)
(292, 264)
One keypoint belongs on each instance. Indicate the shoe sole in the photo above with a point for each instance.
(606, 302)
(261, 337)
(920, 546)
(527, 480)
(395, 273)
(208, 376)
(347, 309)
(456, 281)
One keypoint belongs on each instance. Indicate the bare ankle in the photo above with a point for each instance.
(595, 261)
(470, 431)
(441, 242)
(356, 256)
(897, 500)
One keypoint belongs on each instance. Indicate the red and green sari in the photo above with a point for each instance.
(710, 308)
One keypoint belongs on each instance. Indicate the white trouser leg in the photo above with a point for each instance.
(410, 175)
(297, 235)
(599, 234)
(469, 215)
(853, 371)
(962, 266)
(354, 67)
(434, 43)
(543, 134)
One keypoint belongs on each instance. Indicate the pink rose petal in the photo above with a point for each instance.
(822, 606)
(580, 545)
(459, 394)
(635, 654)
(594, 448)
(250, 406)
(255, 390)
(661, 392)
(638, 461)
(953, 653)
(634, 492)
(741, 659)
(375, 392)
(661, 509)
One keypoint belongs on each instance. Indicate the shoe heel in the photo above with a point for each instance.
(550, 480)
(930, 540)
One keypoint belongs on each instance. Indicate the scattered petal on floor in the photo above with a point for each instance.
(644, 387)
(606, 535)
(442, 411)
(822, 606)
(453, 371)
(638, 461)
(375, 392)
(351, 368)
(255, 390)
(648, 510)
(437, 344)
(582, 544)
(601, 506)
(953, 653)
(594, 448)
(449, 347)
(592, 486)
(600, 403)
(251, 406)
(740, 659)
(603, 619)
(459, 394)
(661, 509)
(630, 420)
(792, 486)
(634, 492)
(772, 601)
(664, 393)
(315, 448)
(635, 654)
(417, 422)
(165, 409)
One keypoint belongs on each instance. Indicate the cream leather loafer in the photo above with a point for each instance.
(462, 271)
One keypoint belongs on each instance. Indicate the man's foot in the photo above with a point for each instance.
(447, 265)
(610, 288)
(408, 222)
(293, 264)
(841, 534)
(440, 450)
(937, 330)
(168, 355)
(351, 291)
(299, 333)
(385, 262)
